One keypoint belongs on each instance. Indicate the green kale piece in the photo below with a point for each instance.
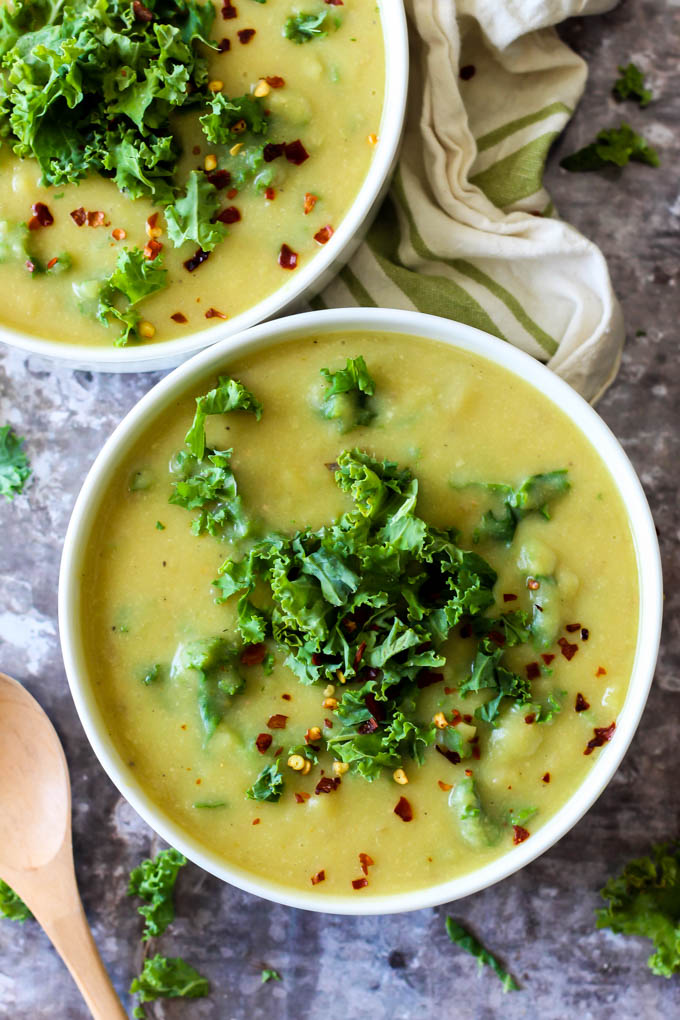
(268, 974)
(645, 900)
(168, 977)
(534, 495)
(631, 85)
(302, 28)
(464, 940)
(268, 785)
(246, 112)
(12, 906)
(347, 398)
(133, 279)
(192, 217)
(154, 882)
(216, 662)
(228, 395)
(612, 146)
(153, 674)
(15, 469)
(209, 486)
(488, 670)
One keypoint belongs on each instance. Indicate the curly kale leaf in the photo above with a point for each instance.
(347, 397)
(133, 279)
(269, 784)
(612, 147)
(215, 664)
(230, 118)
(15, 469)
(228, 395)
(464, 940)
(302, 28)
(154, 882)
(168, 977)
(631, 85)
(192, 217)
(12, 906)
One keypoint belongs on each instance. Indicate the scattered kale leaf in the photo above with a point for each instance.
(645, 900)
(268, 785)
(268, 974)
(534, 495)
(631, 85)
(230, 118)
(12, 906)
(347, 397)
(168, 977)
(153, 674)
(228, 395)
(464, 940)
(302, 28)
(133, 279)
(209, 486)
(154, 882)
(613, 146)
(192, 217)
(14, 464)
(216, 661)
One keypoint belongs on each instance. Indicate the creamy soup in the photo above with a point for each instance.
(399, 742)
(275, 186)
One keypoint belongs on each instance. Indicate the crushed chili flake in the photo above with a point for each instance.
(229, 11)
(476, 753)
(335, 3)
(601, 671)
(270, 194)
(533, 584)
(319, 877)
(324, 235)
(179, 317)
(546, 777)
(585, 633)
(497, 637)
(141, 12)
(253, 655)
(568, 651)
(96, 218)
(263, 741)
(455, 716)
(451, 756)
(530, 718)
(509, 598)
(467, 718)
(212, 313)
(301, 797)
(287, 697)
(220, 179)
(327, 784)
(272, 151)
(328, 724)
(547, 658)
(229, 215)
(468, 772)
(404, 810)
(603, 734)
(310, 202)
(370, 726)
(278, 751)
(232, 193)
(152, 249)
(317, 659)
(42, 217)
(245, 35)
(275, 81)
(520, 834)
(426, 678)
(256, 821)
(79, 216)
(444, 786)
(223, 46)
(359, 883)
(359, 654)
(581, 703)
(296, 152)
(449, 690)
(277, 722)
(533, 670)
(366, 862)
(119, 234)
(53, 262)
(196, 260)
(288, 258)
(571, 628)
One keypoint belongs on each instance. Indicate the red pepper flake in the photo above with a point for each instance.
(426, 678)
(497, 637)
(359, 883)
(509, 598)
(272, 151)
(296, 152)
(245, 35)
(220, 179)
(310, 202)
(546, 777)
(253, 655)
(232, 193)
(585, 633)
(450, 690)
(324, 235)
(468, 773)
(455, 716)
(547, 658)
(319, 877)
(53, 262)
(152, 249)
(533, 584)
(79, 217)
(212, 313)
(141, 12)
(327, 784)
(533, 670)
(370, 726)
(328, 724)
(335, 3)
(529, 719)
(581, 703)
(568, 651)
(179, 317)
(603, 734)
(451, 756)
(288, 258)
(223, 46)
(359, 654)
(601, 671)
(119, 234)
(301, 797)
(444, 786)
(278, 751)
(196, 260)
(277, 722)
(256, 821)
(467, 72)
(229, 11)
(263, 741)
(571, 628)
(287, 697)
(467, 718)
(42, 217)
(404, 810)
(520, 834)
(96, 218)
(270, 194)
(229, 215)
(366, 862)
(476, 753)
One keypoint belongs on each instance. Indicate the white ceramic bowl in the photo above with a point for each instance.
(216, 360)
(305, 282)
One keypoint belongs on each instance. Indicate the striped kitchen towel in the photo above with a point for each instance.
(468, 231)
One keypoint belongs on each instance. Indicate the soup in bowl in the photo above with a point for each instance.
(360, 611)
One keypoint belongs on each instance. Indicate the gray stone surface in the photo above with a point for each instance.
(541, 920)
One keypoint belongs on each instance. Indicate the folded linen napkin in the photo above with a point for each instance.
(468, 231)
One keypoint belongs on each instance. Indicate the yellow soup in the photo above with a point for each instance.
(418, 701)
(276, 185)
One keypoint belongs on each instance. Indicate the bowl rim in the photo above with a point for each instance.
(464, 337)
(303, 283)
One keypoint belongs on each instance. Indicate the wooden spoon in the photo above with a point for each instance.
(36, 855)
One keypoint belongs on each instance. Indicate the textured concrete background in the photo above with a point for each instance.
(541, 920)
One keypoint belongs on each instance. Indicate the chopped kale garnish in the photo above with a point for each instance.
(217, 667)
(631, 85)
(534, 495)
(464, 940)
(209, 486)
(12, 906)
(192, 217)
(154, 882)
(153, 674)
(347, 397)
(228, 395)
(612, 147)
(268, 974)
(14, 465)
(133, 279)
(268, 785)
(302, 28)
(168, 977)
(245, 114)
